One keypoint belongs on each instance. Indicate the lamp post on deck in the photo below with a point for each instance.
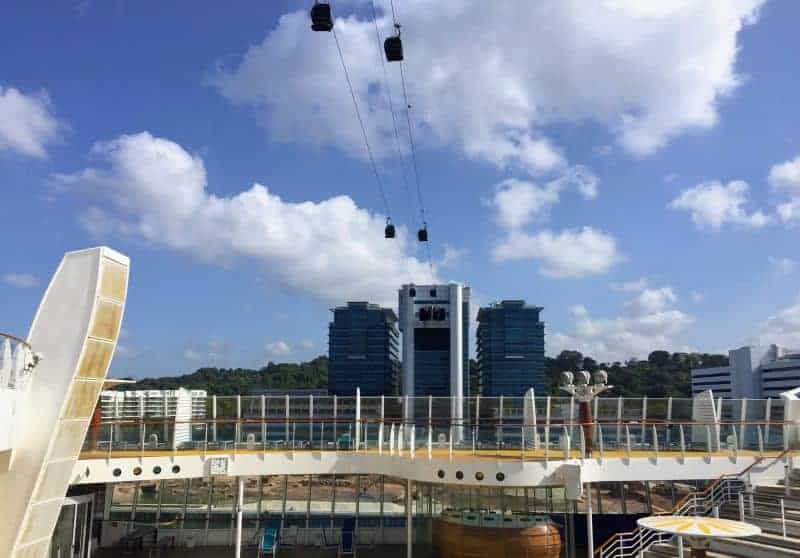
(578, 386)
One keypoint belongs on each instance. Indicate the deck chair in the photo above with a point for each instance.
(270, 540)
(347, 543)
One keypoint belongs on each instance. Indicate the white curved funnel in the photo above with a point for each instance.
(75, 329)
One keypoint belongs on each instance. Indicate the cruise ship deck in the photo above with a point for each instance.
(322, 476)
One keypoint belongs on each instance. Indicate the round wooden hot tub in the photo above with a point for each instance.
(472, 534)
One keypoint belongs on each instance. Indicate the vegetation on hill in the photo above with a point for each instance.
(663, 374)
(234, 381)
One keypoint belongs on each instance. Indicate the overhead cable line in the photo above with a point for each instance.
(363, 128)
(422, 235)
(391, 107)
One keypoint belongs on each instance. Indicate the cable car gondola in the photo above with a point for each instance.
(321, 19)
(422, 234)
(393, 47)
(388, 232)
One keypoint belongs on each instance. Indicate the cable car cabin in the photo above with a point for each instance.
(321, 19)
(388, 232)
(422, 235)
(393, 47)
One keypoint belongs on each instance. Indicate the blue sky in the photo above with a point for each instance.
(630, 166)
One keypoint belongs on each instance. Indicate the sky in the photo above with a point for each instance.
(632, 166)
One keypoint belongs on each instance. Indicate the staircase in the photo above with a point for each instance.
(775, 508)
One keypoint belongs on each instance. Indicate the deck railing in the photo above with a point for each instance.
(490, 438)
(728, 489)
(17, 361)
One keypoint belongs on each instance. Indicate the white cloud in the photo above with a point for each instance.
(696, 297)
(192, 354)
(152, 188)
(567, 253)
(27, 123)
(20, 280)
(517, 202)
(215, 352)
(518, 82)
(630, 286)
(278, 348)
(452, 256)
(307, 344)
(786, 177)
(713, 204)
(127, 351)
(649, 321)
(781, 266)
(782, 328)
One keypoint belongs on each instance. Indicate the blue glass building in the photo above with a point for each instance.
(510, 349)
(363, 350)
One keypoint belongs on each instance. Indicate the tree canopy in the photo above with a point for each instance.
(663, 374)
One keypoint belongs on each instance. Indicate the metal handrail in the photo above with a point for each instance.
(16, 340)
(693, 501)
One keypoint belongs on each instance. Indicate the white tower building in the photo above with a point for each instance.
(434, 321)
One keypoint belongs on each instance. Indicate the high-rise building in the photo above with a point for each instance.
(510, 349)
(363, 350)
(434, 320)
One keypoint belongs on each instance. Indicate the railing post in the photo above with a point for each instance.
(742, 424)
(741, 506)
(600, 440)
(522, 440)
(264, 421)
(547, 429)
(238, 430)
(680, 546)
(668, 437)
(412, 441)
(683, 442)
(214, 418)
(288, 416)
(391, 439)
(533, 419)
(655, 442)
(335, 422)
(760, 435)
(641, 542)
(619, 420)
(628, 441)
(582, 442)
(767, 418)
(358, 419)
(567, 444)
(311, 421)
(644, 420)
(786, 474)
(450, 446)
(783, 518)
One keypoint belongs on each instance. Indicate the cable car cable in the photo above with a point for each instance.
(363, 129)
(391, 108)
(422, 235)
